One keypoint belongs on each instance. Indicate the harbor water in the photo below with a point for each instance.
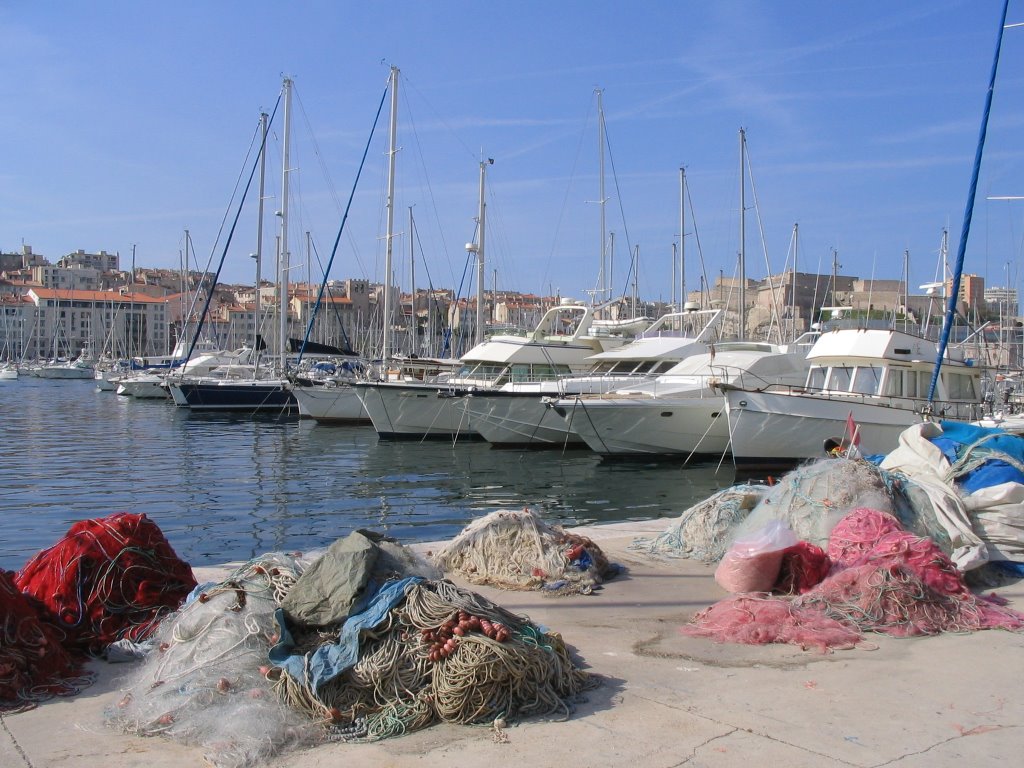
(225, 488)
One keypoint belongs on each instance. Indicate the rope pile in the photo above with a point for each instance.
(33, 664)
(882, 579)
(108, 579)
(443, 654)
(517, 550)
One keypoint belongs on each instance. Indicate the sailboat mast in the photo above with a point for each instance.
(282, 276)
(682, 237)
(186, 307)
(133, 346)
(480, 259)
(743, 236)
(389, 233)
(412, 288)
(605, 280)
(792, 282)
(958, 269)
(259, 233)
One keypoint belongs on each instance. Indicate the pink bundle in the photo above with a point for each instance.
(882, 579)
(760, 620)
(868, 536)
(752, 563)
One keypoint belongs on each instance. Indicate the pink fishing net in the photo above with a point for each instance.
(760, 619)
(882, 579)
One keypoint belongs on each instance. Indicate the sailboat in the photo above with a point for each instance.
(8, 368)
(680, 411)
(331, 398)
(62, 365)
(568, 335)
(241, 388)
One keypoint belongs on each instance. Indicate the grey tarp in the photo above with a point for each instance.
(327, 590)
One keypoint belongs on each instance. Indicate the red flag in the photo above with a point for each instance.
(852, 430)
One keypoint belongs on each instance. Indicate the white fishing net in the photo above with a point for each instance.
(813, 498)
(204, 681)
(703, 531)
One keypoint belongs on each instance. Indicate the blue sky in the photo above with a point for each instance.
(129, 122)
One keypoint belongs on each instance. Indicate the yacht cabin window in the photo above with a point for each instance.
(910, 379)
(816, 377)
(866, 379)
(538, 371)
(894, 383)
(485, 371)
(960, 386)
(839, 378)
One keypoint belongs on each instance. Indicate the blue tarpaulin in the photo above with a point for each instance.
(331, 659)
(1001, 455)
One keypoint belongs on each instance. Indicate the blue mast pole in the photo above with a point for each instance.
(947, 323)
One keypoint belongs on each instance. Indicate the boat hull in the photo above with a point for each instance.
(150, 387)
(517, 420)
(770, 428)
(65, 372)
(687, 426)
(330, 404)
(234, 396)
(415, 411)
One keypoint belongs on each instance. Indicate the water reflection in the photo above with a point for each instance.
(227, 488)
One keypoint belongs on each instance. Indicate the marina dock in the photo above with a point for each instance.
(665, 699)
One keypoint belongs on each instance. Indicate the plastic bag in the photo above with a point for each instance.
(752, 562)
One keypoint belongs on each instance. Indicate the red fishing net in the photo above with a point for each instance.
(33, 665)
(108, 579)
(882, 579)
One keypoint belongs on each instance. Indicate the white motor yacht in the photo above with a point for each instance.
(560, 345)
(681, 412)
(863, 385)
(516, 413)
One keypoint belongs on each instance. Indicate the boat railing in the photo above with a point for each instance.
(742, 378)
(960, 410)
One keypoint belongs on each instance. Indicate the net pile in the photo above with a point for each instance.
(108, 579)
(33, 663)
(232, 673)
(518, 550)
(813, 498)
(205, 683)
(883, 579)
(442, 654)
(809, 500)
(703, 531)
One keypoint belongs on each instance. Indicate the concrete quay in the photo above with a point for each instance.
(666, 700)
